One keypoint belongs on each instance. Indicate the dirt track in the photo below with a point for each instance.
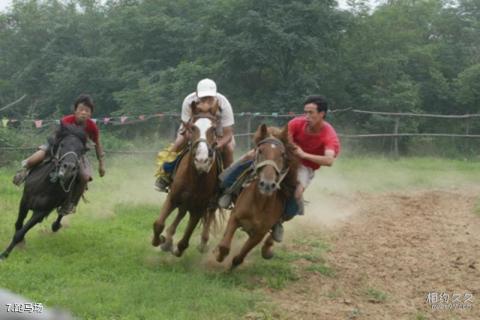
(388, 255)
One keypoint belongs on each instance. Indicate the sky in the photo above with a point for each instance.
(5, 3)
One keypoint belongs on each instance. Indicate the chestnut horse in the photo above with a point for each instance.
(262, 202)
(195, 184)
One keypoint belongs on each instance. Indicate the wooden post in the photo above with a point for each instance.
(173, 128)
(395, 139)
(249, 130)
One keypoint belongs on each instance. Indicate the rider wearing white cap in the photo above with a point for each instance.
(206, 90)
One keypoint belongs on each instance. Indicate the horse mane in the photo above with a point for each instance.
(289, 184)
(67, 130)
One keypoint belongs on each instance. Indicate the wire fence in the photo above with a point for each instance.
(361, 131)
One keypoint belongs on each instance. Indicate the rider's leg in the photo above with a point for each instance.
(294, 206)
(229, 177)
(164, 179)
(29, 163)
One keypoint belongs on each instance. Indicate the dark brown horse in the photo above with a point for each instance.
(50, 184)
(195, 185)
(261, 203)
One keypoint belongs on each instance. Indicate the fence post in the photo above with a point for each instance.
(395, 139)
(173, 127)
(249, 130)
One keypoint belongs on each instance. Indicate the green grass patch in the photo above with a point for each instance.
(102, 266)
(376, 296)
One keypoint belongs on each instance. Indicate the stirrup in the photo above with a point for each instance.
(277, 232)
(67, 208)
(225, 201)
(162, 184)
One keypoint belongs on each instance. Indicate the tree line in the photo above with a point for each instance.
(144, 56)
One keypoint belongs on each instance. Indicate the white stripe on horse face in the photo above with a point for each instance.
(203, 124)
(201, 155)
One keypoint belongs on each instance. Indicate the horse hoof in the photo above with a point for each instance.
(56, 226)
(267, 254)
(167, 246)
(202, 248)
(156, 241)
(221, 253)
(3, 257)
(176, 252)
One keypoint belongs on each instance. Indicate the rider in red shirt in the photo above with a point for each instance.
(317, 145)
(82, 113)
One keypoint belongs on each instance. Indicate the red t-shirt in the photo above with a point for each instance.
(90, 127)
(314, 143)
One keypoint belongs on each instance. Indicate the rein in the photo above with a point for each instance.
(57, 161)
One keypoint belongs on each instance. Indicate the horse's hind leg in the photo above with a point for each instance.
(267, 252)
(183, 244)
(203, 246)
(20, 234)
(251, 242)
(57, 224)
(159, 224)
(168, 244)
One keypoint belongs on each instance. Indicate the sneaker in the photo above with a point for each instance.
(67, 208)
(20, 176)
(162, 184)
(225, 201)
(277, 232)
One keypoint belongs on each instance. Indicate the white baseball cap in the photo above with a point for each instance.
(206, 88)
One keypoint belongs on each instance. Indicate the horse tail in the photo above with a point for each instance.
(216, 220)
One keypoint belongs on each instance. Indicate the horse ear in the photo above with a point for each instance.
(263, 130)
(284, 134)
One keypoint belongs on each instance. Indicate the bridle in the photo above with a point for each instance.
(259, 165)
(58, 160)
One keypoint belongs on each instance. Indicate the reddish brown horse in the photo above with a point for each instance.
(261, 204)
(195, 184)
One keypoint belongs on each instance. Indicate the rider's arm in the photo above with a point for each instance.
(226, 138)
(325, 160)
(100, 157)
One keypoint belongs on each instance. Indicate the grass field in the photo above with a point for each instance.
(101, 264)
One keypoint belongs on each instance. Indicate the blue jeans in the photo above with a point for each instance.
(231, 174)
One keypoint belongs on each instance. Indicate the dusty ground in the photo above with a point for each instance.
(388, 252)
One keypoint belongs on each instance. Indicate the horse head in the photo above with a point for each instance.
(203, 139)
(270, 158)
(69, 146)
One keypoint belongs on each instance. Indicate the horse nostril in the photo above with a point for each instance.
(262, 184)
(272, 185)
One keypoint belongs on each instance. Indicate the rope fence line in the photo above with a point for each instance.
(353, 136)
(250, 116)
(134, 118)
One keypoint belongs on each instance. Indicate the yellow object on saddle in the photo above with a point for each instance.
(165, 155)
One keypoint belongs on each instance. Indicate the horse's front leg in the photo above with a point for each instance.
(251, 242)
(224, 246)
(159, 224)
(168, 244)
(267, 251)
(183, 244)
(20, 234)
(57, 224)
